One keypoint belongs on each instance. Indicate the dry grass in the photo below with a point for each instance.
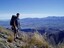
(10, 38)
(8, 33)
(5, 31)
(24, 37)
(36, 40)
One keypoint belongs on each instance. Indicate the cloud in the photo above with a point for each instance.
(33, 15)
(6, 16)
(39, 15)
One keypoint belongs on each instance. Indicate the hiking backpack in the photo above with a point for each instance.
(12, 20)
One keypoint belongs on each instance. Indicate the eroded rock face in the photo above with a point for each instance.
(56, 36)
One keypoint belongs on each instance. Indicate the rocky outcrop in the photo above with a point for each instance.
(55, 37)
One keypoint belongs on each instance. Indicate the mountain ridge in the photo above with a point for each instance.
(52, 22)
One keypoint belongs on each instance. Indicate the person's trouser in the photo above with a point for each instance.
(15, 30)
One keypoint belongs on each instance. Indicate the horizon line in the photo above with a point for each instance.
(32, 18)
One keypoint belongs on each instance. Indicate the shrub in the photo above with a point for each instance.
(38, 40)
(10, 38)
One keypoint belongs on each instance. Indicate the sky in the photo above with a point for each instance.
(31, 8)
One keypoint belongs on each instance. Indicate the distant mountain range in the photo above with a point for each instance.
(43, 22)
(48, 22)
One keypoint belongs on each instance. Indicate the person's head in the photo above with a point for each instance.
(17, 15)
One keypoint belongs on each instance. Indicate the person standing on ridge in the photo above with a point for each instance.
(15, 24)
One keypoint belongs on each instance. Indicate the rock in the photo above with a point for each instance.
(2, 45)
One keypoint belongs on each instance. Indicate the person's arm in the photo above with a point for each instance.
(18, 21)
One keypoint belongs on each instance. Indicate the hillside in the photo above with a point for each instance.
(26, 40)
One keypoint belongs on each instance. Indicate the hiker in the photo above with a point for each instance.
(18, 21)
(15, 24)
